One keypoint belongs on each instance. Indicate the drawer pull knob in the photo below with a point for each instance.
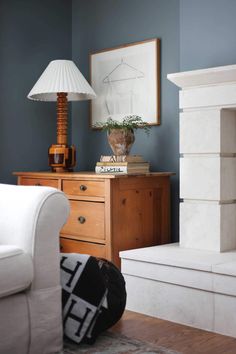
(83, 187)
(81, 219)
(37, 184)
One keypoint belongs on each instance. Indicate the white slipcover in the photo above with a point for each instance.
(30, 292)
(16, 270)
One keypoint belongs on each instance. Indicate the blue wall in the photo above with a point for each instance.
(32, 33)
(108, 23)
(194, 34)
(207, 33)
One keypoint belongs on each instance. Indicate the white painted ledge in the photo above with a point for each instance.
(210, 76)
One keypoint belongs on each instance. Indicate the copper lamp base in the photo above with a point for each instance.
(61, 158)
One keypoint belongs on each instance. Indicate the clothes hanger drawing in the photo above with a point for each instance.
(134, 73)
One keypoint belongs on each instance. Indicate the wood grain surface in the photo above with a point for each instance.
(184, 339)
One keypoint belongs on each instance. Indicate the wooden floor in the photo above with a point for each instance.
(173, 336)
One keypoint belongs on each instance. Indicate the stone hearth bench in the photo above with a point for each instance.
(188, 286)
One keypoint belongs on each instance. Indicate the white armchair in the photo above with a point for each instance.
(30, 291)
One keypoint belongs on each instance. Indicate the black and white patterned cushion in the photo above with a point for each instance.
(93, 296)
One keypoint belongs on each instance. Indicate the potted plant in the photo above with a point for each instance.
(121, 134)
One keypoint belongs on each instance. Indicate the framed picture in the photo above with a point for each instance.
(126, 80)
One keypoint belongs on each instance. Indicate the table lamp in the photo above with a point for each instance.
(62, 82)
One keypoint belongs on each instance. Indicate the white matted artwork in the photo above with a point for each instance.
(126, 80)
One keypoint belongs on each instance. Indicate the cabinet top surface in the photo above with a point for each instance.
(89, 174)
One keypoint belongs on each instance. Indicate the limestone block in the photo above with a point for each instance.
(192, 278)
(170, 302)
(208, 131)
(174, 256)
(208, 226)
(222, 95)
(208, 178)
(223, 284)
(226, 267)
(225, 319)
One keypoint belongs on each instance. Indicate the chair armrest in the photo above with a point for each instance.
(31, 218)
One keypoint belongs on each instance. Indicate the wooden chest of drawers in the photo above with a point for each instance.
(110, 213)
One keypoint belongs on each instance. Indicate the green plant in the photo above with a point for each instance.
(128, 123)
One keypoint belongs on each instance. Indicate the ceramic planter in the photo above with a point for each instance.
(121, 140)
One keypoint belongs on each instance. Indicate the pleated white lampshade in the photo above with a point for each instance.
(61, 76)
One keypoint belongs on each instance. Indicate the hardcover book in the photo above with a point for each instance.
(121, 158)
(130, 164)
(130, 168)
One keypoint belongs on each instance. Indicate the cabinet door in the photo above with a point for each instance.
(140, 213)
(136, 214)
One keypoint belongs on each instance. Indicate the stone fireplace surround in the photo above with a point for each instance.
(194, 282)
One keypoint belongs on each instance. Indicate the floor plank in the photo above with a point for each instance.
(184, 339)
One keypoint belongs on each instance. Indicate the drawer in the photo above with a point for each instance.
(83, 188)
(86, 220)
(39, 182)
(93, 249)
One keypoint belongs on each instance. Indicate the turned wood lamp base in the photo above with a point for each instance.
(61, 156)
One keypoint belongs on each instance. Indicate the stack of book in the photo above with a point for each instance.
(122, 164)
